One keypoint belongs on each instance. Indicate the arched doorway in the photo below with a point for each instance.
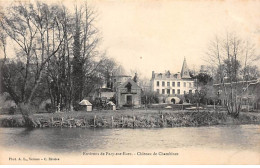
(173, 101)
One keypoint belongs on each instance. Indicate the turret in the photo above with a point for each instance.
(185, 70)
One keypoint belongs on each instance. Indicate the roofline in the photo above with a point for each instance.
(120, 76)
(128, 81)
(252, 82)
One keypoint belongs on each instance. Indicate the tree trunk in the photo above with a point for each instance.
(26, 112)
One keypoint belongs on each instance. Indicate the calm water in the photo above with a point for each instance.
(59, 140)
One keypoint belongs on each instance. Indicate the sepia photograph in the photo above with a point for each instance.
(129, 82)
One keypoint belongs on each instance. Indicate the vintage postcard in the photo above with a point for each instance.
(129, 82)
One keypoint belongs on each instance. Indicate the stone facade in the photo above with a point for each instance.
(168, 84)
(128, 94)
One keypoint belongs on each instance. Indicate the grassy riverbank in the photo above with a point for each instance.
(132, 119)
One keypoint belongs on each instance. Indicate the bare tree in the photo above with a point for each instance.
(26, 25)
(3, 37)
(59, 67)
(56, 55)
(229, 55)
(108, 65)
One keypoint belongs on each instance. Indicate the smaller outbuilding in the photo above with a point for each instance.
(128, 94)
(86, 103)
(111, 105)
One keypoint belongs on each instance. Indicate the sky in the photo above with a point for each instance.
(156, 35)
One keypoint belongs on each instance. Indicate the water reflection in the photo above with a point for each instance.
(26, 132)
(84, 139)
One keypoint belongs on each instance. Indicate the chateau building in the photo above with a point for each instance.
(168, 84)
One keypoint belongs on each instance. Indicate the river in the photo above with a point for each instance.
(78, 140)
(245, 137)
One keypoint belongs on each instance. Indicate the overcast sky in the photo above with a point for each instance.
(147, 35)
(156, 35)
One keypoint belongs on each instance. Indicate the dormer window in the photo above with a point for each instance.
(168, 74)
(160, 75)
(129, 87)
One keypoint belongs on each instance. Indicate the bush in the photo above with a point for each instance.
(7, 106)
(128, 105)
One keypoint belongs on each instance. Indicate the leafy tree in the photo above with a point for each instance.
(149, 97)
(77, 71)
(250, 72)
(203, 79)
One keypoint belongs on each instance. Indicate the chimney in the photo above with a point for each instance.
(153, 75)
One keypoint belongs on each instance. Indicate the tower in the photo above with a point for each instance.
(185, 70)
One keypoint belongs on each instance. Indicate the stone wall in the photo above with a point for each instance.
(122, 97)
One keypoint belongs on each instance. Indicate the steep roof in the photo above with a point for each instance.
(185, 70)
(111, 103)
(185, 73)
(251, 82)
(105, 90)
(166, 75)
(85, 102)
(254, 86)
(131, 82)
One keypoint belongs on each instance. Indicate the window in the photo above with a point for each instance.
(179, 84)
(190, 91)
(168, 91)
(184, 84)
(163, 91)
(184, 92)
(163, 83)
(168, 83)
(160, 75)
(190, 85)
(158, 83)
(129, 87)
(158, 91)
(178, 91)
(173, 91)
(173, 84)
